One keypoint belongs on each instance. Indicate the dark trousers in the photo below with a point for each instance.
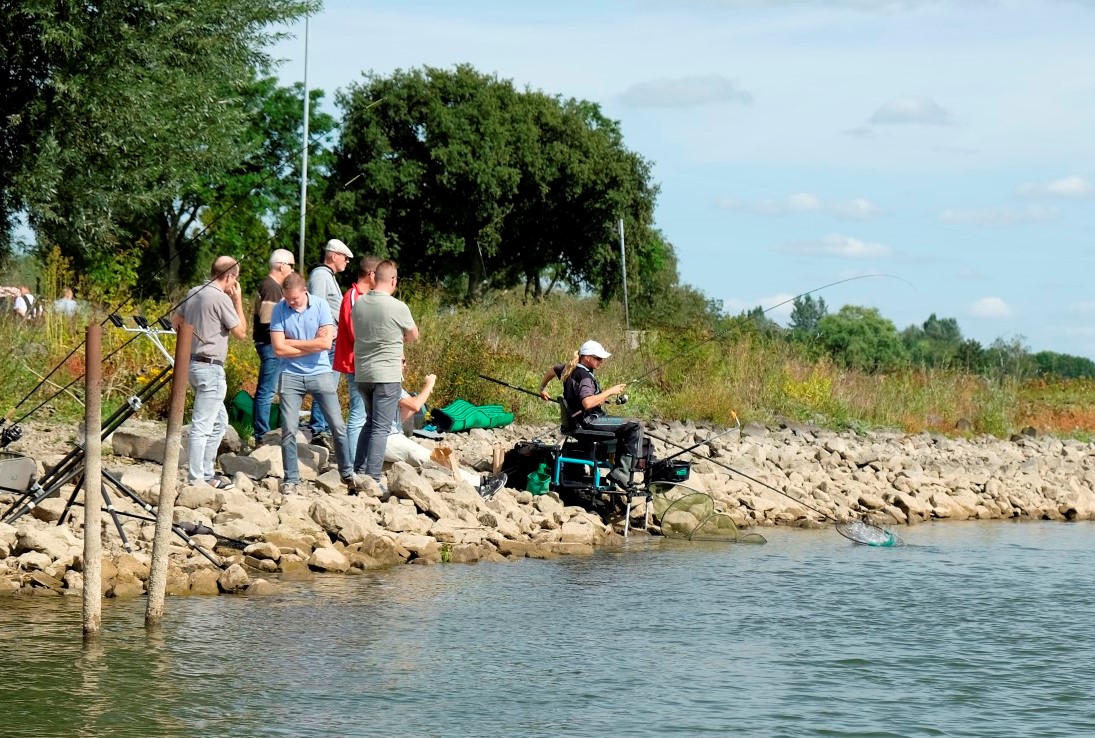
(628, 431)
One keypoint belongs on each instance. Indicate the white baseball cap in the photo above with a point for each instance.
(339, 248)
(592, 348)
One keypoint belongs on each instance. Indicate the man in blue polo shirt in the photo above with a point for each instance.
(301, 332)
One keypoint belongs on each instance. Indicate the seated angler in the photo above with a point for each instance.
(584, 400)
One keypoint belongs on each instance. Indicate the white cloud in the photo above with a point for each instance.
(990, 307)
(859, 208)
(684, 92)
(1074, 186)
(1004, 216)
(836, 244)
(911, 110)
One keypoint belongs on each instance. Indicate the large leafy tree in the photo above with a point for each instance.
(860, 338)
(936, 342)
(806, 313)
(123, 106)
(465, 177)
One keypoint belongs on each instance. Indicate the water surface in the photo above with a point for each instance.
(974, 629)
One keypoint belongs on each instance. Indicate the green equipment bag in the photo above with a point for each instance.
(242, 410)
(461, 415)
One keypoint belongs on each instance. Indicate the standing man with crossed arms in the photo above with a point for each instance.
(215, 311)
(382, 325)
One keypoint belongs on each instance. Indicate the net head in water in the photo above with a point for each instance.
(867, 534)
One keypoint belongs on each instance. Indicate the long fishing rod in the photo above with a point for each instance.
(858, 531)
(737, 324)
(511, 386)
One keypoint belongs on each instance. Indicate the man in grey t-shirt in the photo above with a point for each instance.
(215, 311)
(323, 284)
(382, 325)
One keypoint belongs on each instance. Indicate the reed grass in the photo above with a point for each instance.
(681, 375)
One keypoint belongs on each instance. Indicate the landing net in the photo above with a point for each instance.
(867, 534)
(687, 513)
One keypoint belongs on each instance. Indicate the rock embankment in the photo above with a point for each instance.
(804, 476)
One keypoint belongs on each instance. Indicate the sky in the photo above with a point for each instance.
(947, 144)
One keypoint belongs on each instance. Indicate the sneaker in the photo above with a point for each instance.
(353, 483)
(221, 482)
(489, 485)
(289, 488)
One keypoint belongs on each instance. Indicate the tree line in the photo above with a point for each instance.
(861, 338)
(142, 138)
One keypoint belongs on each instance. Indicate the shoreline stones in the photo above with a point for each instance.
(887, 477)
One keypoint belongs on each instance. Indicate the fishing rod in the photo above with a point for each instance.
(511, 386)
(737, 324)
(858, 531)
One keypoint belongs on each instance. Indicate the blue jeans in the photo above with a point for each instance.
(269, 368)
(381, 410)
(208, 419)
(319, 423)
(291, 391)
(355, 421)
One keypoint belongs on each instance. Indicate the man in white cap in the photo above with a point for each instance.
(323, 284)
(585, 400)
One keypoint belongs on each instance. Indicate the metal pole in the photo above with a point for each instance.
(93, 481)
(169, 477)
(623, 268)
(304, 157)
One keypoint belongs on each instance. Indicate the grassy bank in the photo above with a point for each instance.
(684, 375)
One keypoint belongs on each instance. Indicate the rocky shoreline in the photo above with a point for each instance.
(888, 478)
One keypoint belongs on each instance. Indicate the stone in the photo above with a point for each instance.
(262, 587)
(263, 550)
(204, 582)
(405, 483)
(49, 510)
(328, 559)
(233, 579)
(250, 466)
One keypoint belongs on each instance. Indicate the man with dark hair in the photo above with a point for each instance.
(382, 326)
(215, 311)
(269, 294)
(323, 284)
(301, 332)
(344, 348)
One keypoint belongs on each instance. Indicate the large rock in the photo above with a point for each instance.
(54, 541)
(405, 483)
(329, 559)
(250, 466)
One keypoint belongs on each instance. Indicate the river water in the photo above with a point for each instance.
(973, 629)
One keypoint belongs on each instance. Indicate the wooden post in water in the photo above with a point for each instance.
(93, 481)
(169, 477)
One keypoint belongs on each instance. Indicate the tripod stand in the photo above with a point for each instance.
(71, 467)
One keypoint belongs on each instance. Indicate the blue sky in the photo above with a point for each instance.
(796, 143)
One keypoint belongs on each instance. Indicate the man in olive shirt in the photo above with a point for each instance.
(382, 325)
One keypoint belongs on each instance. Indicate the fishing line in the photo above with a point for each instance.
(738, 323)
(854, 530)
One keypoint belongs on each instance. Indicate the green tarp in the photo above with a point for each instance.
(461, 415)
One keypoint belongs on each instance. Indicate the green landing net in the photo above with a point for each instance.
(686, 513)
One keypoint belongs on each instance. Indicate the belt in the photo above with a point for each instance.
(207, 360)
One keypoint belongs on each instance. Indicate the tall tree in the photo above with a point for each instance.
(806, 313)
(122, 106)
(859, 337)
(463, 176)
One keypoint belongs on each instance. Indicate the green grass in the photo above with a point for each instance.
(680, 375)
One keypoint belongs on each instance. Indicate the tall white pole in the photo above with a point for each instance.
(623, 267)
(304, 157)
